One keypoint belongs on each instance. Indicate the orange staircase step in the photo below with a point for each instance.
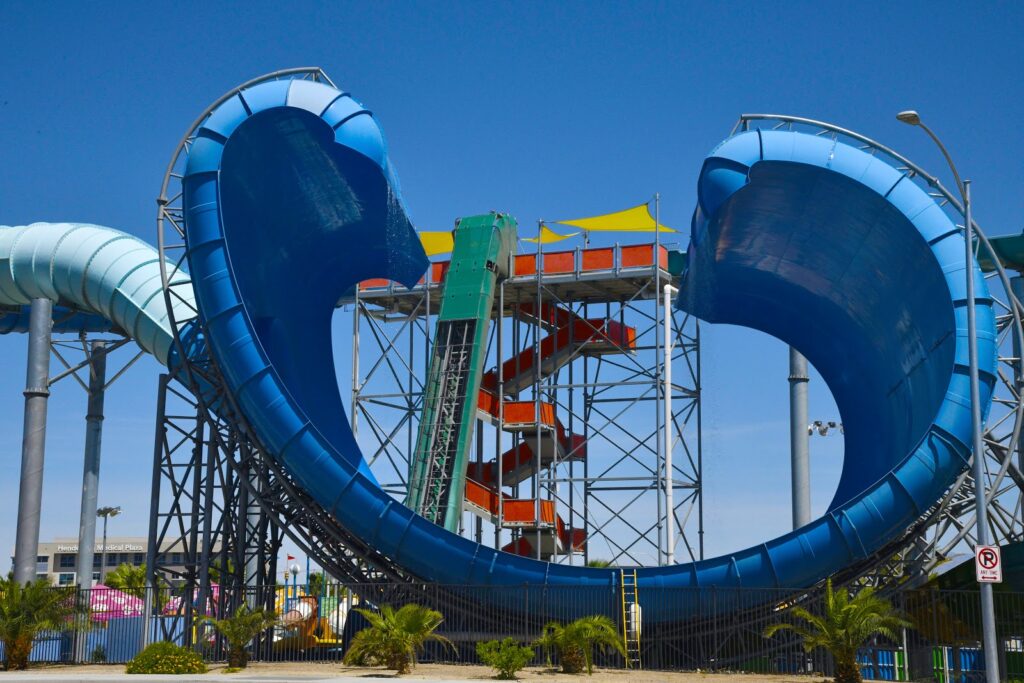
(590, 337)
(517, 462)
(516, 512)
(568, 541)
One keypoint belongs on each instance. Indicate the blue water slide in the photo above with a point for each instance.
(290, 201)
(98, 278)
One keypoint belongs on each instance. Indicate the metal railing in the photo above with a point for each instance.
(723, 630)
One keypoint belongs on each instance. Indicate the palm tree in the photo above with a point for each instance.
(394, 637)
(238, 630)
(844, 627)
(575, 642)
(132, 580)
(128, 579)
(26, 610)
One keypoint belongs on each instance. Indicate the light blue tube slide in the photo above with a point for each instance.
(99, 278)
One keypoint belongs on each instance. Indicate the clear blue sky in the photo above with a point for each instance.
(544, 110)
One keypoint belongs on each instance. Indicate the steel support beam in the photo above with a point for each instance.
(33, 444)
(1017, 288)
(91, 468)
(799, 441)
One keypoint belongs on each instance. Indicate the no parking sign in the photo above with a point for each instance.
(988, 564)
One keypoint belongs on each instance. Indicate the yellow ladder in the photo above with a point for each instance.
(630, 617)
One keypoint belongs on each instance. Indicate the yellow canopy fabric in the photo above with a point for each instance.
(435, 243)
(636, 219)
(547, 236)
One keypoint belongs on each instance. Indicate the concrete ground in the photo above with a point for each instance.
(281, 672)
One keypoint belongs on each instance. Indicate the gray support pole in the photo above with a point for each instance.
(659, 446)
(91, 470)
(988, 614)
(33, 442)
(799, 446)
(355, 364)
(103, 551)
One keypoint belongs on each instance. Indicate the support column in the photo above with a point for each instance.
(799, 440)
(1017, 287)
(91, 473)
(33, 443)
(668, 424)
(152, 579)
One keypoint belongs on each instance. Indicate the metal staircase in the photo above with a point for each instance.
(630, 617)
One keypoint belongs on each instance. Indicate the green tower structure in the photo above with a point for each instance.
(480, 260)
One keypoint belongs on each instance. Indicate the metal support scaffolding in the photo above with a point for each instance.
(620, 488)
(94, 352)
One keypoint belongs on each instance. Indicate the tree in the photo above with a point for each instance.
(845, 626)
(132, 580)
(128, 579)
(393, 638)
(26, 610)
(239, 629)
(315, 583)
(219, 567)
(599, 563)
(575, 642)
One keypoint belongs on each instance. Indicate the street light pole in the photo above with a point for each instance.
(988, 619)
(106, 513)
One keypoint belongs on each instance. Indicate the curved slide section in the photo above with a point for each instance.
(290, 201)
(100, 280)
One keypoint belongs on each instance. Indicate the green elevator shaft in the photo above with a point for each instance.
(480, 260)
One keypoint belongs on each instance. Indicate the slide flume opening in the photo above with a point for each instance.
(817, 259)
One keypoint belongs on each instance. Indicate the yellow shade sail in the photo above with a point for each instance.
(435, 243)
(636, 219)
(547, 236)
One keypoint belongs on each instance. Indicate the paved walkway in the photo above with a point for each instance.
(265, 677)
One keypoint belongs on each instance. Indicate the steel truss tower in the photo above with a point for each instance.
(615, 493)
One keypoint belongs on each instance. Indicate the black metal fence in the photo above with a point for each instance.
(681, 629)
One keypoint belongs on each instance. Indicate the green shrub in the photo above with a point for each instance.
(99, 655)
(166, 658)
(506, 657)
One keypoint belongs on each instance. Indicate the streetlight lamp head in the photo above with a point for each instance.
(910, 117)
(108, 511)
